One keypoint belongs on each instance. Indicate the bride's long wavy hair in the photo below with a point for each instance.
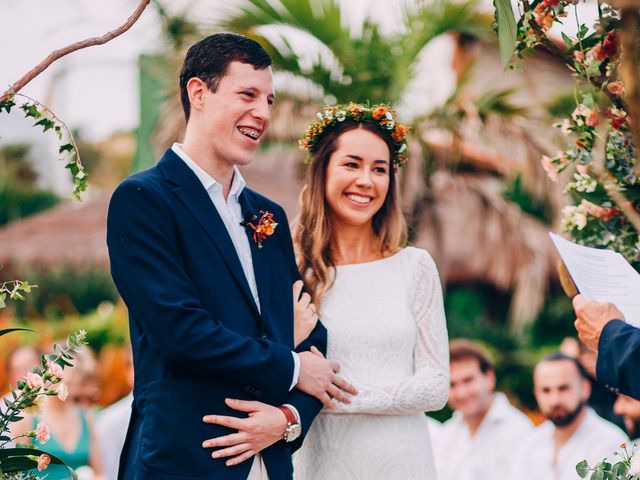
(312, 229)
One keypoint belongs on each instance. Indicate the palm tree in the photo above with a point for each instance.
(347, 66)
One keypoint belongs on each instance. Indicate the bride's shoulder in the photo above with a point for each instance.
(419, 256)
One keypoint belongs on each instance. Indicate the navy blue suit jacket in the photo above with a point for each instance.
(196, 332)
(618, 366)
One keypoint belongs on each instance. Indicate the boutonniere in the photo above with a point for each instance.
(264, 228)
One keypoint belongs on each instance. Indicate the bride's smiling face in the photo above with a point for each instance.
(357, 179)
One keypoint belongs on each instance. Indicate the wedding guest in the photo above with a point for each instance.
(111, 426)
(629, 409)
(484, 424)
(572, 433)
(380, 300)
(601, 398)
(19, 361)
(70, 427)
(602, 328)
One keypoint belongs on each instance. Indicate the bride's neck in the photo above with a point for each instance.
(351, 244)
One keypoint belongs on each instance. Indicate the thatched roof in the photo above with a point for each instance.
(71, 233)
(476, 235)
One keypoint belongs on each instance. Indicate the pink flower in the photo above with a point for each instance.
(42, 433)
(617, 88)
(593, 118)
(578, 56)
(62, 392)
(565, 127)
(549, 168)
(34, 380)
(43, 461)
(55, 370)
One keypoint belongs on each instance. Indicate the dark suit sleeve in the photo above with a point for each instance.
(308, 407)
(148, 270)
(619, 358)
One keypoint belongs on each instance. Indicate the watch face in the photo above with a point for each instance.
(292, 432)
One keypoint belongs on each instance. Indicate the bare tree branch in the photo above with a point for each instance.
(629, 67)
(57, 54)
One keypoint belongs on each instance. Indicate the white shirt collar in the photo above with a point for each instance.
(498, 411)
(237, 184)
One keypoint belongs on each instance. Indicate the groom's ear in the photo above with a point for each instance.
(197, 91)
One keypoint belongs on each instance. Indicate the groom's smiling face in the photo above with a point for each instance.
(236, 116)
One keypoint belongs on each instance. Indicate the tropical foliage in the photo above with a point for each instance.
(346, 66)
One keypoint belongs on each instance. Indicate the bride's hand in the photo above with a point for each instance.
(305, 316)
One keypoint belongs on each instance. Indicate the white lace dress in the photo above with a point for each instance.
(387, 329)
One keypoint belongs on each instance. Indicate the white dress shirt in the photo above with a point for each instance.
(231, 213)
(111, 430)
(485, 455)
(593, 441)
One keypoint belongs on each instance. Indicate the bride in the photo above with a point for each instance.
(380, 301)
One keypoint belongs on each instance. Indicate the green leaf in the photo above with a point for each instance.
(2, 298)
(582, 31)
(68, 147)
(7, 105)
(567, 40)
(507, 30)
(15, 459)
(31, 110)
(16, 296)
(25, 287)
(9, 330)
(46, 124)
(582, 468)
(597, 475)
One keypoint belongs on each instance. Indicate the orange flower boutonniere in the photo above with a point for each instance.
(265, 227)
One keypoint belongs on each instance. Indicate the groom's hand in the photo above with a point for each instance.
(319, 378)
(264, 427)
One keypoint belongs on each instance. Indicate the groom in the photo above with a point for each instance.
(210, 298)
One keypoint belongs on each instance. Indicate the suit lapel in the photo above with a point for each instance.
(192, 194)
(260, 256)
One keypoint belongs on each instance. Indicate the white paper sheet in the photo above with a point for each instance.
(602, 275)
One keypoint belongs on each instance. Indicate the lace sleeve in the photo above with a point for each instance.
(428, 388)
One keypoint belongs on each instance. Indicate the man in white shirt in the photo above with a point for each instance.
(472, 444)
(573, 431)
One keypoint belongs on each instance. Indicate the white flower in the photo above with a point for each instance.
(390, 125)
(634, 467)
(389, 116)
(341, 115)
(319, 115)
(580, 220)
(402, 148)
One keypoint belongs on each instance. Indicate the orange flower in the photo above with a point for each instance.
(379, 112)
(268, 228)
(399, 133)
(593, 118)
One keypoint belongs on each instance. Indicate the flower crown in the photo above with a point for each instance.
(380, 115)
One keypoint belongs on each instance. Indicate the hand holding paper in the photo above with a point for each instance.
(602, 275)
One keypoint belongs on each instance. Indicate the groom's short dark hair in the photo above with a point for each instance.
(210, 57)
